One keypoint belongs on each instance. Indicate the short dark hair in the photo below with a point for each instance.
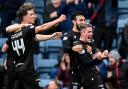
(79, 13)
(24, 8)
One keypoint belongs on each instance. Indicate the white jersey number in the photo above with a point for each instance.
(18, 44)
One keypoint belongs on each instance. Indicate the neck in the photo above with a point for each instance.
(24, 22)
(82, 39)
(75, 29)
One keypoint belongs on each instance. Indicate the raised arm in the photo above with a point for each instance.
(41, 28)
(48, 25)
(40, 37)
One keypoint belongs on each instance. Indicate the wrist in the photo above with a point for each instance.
(59, 20)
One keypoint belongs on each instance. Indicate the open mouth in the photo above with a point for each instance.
(90, 37)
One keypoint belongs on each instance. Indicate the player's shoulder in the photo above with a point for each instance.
(30, 27)
(69, 33)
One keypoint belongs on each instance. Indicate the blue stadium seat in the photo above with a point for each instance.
(53, 55)
(44, 76)
(1, 61)
(54, 43)
(53, 48)
(44, 82)
(46, 65)
(122, 21)
(42, 46)
(122, 6)
(2, 41)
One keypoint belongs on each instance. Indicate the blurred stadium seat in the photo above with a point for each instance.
(45, 65)
(44, 82)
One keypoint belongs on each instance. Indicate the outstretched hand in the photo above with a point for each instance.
(105, 54)
(56, 35)
(89, 49)
(77, 48)
(100, 55)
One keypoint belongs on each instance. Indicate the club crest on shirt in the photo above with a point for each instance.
(75, 42)
(65, 38)
(65, 33)
(32, 26)
(75, 37)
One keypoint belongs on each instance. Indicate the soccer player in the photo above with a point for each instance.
(87, 60)
(21, 45)
(69, 44)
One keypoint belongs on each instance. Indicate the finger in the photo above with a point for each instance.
(59, 33)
